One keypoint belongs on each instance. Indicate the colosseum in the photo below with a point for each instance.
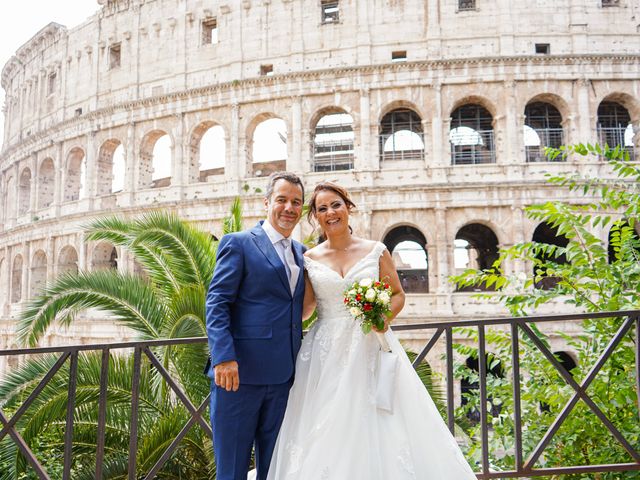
(434, 114)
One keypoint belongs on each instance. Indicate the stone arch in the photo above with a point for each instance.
(104, 257)
(38, 277)
(46, 183)
(567, 360)
(480, 100)
(408, 247)
(548, 234)
(401, 135)
(471, 135)
(553, 99)
(67, 260)
(614, 123)
(542, 128)
(400, 104)
(268, 136)
(207, 151)
(16, 279)
(24, 191)
(628, 101)
(480, 244)
(153, 162)
(10, 198)
(110, 167)
(74, 175)
(332, 139)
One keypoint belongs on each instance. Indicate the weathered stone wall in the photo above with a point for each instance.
(70, 105)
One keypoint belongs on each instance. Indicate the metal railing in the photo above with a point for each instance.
(472, 154)
(549, 137)
(524, 467)
(614, 137)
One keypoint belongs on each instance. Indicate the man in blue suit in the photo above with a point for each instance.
(254, 325)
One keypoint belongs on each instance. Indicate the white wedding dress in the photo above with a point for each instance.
(332, 429)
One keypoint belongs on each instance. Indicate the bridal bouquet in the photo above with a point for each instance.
(369, 301)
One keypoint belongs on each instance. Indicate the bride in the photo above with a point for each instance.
(332, 427)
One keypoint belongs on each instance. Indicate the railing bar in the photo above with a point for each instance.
(606, 353)
(517, 407)
(71, 408)
(427, 348)
(580, 392)
(26, 451)
(102, 412)
(176, 388)
(450, 414)
(33, 395)
(174, 444)
(621, 467)
(101, 346)
(401, 327)
(484, 429)
(135, 401)
(509, 320)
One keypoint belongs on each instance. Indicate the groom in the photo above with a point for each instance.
(254, 325)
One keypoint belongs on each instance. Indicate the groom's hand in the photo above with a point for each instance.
(226, 375)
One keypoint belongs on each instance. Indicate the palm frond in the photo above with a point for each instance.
(128, 298)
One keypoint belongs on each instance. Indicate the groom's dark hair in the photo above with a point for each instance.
(288, 176)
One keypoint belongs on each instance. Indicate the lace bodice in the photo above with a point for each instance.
(329, 286)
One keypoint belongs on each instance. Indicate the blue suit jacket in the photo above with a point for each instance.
(252, 317)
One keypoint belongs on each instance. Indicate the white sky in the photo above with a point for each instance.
(21, 20)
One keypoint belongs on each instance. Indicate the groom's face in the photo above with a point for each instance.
(284, 206)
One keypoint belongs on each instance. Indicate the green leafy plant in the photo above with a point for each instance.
(591, 276)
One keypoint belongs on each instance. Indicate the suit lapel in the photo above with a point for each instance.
(268, 250)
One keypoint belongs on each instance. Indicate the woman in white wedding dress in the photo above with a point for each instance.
(332, 428)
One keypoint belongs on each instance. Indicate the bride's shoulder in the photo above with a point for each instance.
(316, 252)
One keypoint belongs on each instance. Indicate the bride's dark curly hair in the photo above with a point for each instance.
(330, 187)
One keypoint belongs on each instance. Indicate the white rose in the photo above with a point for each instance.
(370, 295)
(366, 282)
(355, 311)
(352, 292)
(384, 297)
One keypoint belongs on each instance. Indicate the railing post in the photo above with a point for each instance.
(135, 403)
(71, 406)
(517, 413)
(450, 414)
(102, 412)
(484, 429)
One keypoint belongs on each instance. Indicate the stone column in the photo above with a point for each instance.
(180, 167)
(58, 188)
(83, 263)
(51, 259)
(232, 167)
(366, 159)
(130, 169)
(427, 141)
(294, 152)
(26, 271)
(442, 250)
(512, 128)
(35, 184)
(585, 125)
(90, 170)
